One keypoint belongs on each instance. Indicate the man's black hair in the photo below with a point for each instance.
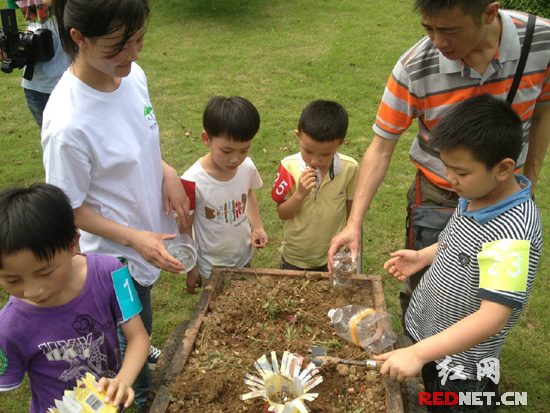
(474, 8)
(484, 125)
(324, 121)
(39, 218)
(233, 118)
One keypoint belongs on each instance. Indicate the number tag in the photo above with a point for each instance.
(283, 182)
(504, 265)
(126, 293)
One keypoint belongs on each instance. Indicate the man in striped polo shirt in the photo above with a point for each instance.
(483, 267)
(471, 48)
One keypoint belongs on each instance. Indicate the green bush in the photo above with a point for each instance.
(538, 7)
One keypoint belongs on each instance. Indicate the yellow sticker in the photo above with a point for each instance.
(504, 265)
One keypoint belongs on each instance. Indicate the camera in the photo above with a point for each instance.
(23, 49)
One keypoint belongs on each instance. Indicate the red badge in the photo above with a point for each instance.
(282, 185)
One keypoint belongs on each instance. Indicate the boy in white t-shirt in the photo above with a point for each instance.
(225, 218)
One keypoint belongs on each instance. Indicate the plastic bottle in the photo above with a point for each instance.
(344, 268)
(361, 326)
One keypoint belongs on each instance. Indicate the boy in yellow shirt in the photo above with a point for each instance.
(314, 188)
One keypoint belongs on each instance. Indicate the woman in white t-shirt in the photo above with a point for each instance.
(101, 146)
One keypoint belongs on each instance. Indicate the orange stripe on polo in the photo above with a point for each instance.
(433, 178)
(430, 124)
(496, 88)
(450, 97)
(520, 22)
(545, 90)
(392, 117)
(524, 110)
(532, 80)
(402, 93)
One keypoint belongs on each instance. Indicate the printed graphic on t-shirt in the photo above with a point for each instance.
(150, 116)
(86, 353)
(3, 362)
(464, 259)
(231, 212)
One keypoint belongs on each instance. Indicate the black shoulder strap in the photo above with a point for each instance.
(523, 58)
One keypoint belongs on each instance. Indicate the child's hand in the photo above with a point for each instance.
(116, 391)
(307, 182)
(194, 280)
(400, 365)
(258, 238)
(403, 264)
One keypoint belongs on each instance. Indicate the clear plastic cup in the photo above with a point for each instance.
(184, 249)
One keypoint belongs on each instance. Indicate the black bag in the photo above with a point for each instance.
(425, 222)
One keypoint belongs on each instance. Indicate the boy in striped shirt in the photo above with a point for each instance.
(483, 266)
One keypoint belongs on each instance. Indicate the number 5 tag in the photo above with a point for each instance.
(504, 265)
(126, 293)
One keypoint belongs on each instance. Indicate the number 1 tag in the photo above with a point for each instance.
(126, 293)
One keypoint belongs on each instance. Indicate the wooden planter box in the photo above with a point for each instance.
(185, 345)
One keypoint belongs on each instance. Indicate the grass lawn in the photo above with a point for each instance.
(280, 55)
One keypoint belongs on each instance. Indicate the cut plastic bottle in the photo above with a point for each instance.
(362, 326)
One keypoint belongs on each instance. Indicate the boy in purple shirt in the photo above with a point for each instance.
(64, 307)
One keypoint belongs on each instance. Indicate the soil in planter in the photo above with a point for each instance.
(253, 317)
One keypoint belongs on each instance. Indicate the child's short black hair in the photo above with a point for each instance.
(39, 218)
(233, 118)
(486, 126)
(324, 121)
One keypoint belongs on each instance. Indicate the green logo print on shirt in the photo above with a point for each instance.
(150, 116)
